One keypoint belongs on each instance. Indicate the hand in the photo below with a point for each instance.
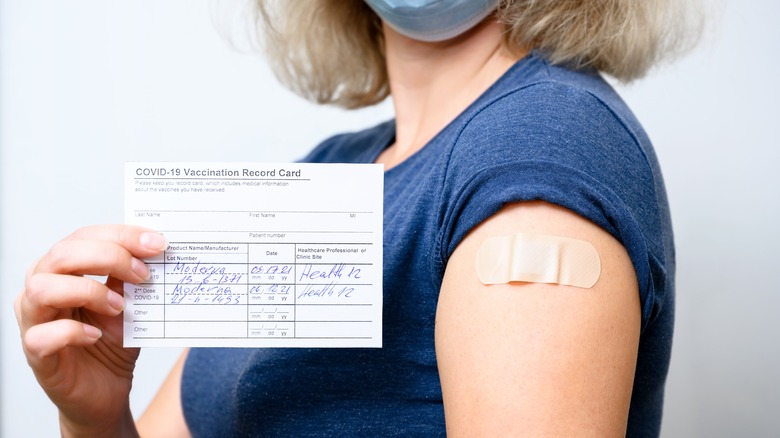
(71, 325)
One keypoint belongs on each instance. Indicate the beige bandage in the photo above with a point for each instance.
(537, 258)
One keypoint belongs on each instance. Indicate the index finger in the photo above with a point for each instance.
(139, 241)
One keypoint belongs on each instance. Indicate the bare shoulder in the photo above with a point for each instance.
(538, 359)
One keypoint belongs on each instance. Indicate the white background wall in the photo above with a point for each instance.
(88, 84)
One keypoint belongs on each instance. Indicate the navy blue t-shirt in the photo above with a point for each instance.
(541, 132)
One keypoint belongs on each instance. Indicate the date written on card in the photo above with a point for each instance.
(259, 255)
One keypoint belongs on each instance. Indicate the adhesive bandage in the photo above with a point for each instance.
(537, 258)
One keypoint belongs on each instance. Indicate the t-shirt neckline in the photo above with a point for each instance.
(388, 137)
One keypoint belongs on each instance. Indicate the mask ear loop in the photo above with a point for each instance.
(536, 258)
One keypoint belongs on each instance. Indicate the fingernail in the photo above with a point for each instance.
(140, 269)
(116, 301)
(154, 241)
(92, 332)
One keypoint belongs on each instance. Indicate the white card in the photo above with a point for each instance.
(259, 255)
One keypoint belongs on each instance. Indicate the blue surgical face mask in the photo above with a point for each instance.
(432, 20)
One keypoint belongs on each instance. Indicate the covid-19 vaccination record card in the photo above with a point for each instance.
(259, 255)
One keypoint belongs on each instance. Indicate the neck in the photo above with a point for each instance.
(431, 83)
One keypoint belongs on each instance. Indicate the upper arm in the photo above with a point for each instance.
(537, 359)
(164, 417)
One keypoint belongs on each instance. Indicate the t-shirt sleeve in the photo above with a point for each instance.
(555, 143)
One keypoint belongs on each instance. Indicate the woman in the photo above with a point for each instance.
(503, 126)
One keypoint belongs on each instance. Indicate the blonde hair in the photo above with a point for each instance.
(331, 51)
